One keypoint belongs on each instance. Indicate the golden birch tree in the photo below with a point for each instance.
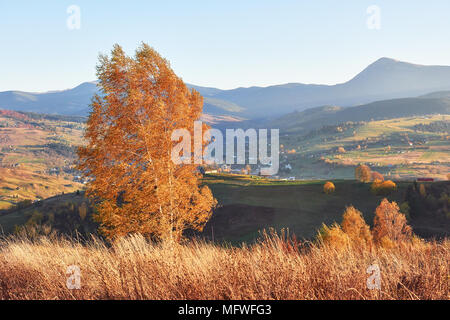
(127, 159)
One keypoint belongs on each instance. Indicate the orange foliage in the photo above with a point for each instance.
(389, 230)
(389, 224)
(329, 187)
(355, 227)
(334, 236)
(138, 188)
(383, 187)
(341, 150)
(377, 176)
(363, 173)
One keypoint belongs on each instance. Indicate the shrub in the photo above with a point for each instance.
(329, 187)
(383, 188)
(377, 176)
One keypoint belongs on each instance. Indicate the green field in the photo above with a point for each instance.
(403, 148)
(300, 206)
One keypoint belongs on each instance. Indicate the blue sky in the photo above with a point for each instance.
(224, 44)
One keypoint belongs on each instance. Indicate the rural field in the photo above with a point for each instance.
(246, 206)
(400, 148)
(36, 156)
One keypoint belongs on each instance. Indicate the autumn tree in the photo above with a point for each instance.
(333, 236)
(127, 159)
(355, 227)
(341, 150)
(329, 187)
(389, 224)
(377, 176)
(363, 173)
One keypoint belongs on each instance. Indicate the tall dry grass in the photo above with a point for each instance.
(133, 268)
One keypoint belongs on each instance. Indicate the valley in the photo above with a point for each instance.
(402, 148)
(37, 154)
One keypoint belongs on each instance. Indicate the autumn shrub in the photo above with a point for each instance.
(383, 188)
(377, 176)
(329, 187)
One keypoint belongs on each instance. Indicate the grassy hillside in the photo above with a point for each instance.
(36, 156)
(315, 118)
(403, 148)
(246, 206)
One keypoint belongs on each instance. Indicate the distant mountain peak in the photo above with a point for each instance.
(385, 78)
(385, 60)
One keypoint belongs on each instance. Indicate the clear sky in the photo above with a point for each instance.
(224, 44)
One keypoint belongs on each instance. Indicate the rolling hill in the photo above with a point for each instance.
(384, 79)
(301, 121)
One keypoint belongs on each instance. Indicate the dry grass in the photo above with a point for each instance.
(133, 268)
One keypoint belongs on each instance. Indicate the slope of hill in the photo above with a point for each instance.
(36, 156)
(246, 206)
(433, 103)
(403, 148)
(384, 79)
(73, 101)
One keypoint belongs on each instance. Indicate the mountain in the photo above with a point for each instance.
(314, 118)
(384, 79)
(73, 101)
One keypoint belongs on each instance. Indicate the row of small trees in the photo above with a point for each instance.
(379, 186)
(389, 228)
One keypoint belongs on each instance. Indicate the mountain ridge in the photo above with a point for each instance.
(383, 79)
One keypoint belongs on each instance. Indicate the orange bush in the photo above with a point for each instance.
(377, 176)
(341, 150)
(383, 187)
(329, 187)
